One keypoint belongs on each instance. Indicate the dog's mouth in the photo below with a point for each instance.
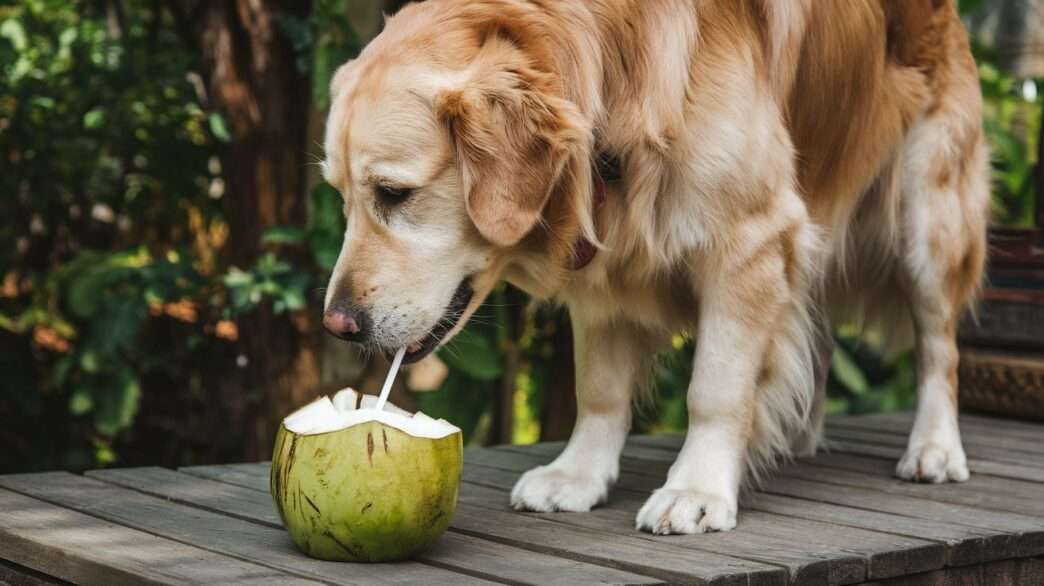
(417, 350)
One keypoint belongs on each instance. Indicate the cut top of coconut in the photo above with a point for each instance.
(349, 408)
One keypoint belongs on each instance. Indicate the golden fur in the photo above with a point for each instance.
(784, 163)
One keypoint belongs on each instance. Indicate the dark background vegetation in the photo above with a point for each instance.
(165, 237)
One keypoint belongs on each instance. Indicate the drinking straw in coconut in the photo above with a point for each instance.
(396, 363)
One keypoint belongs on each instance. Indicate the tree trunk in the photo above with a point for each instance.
(559, 406)
(252, 79)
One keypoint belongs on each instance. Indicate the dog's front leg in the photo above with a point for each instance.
(610, 357)
(750, 337)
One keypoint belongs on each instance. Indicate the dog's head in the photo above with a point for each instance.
(446, 141)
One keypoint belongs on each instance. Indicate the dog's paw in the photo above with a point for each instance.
(670, 512)
(934, 462)
(548, 488)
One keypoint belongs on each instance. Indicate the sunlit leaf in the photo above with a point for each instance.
(219, 128)
(848, 372)
(80, 403)
(94, 118)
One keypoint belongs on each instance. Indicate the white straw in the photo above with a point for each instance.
(396, 362)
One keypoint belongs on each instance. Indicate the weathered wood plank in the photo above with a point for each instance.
(241, 474)
(973, 435)
(806, 566)
(456, 552)
(252, 542)
(997, 535)
(974, 451)
(1009, 427)
(1001, 573)
(964, 508)
(961, 546)
(209, 495)
(880, 464)
(969, 543)
(910, 499)
(980, 490)
(640, 479)
(483, 513)
(987, 429)
(966, 544)
(971, 533)
(892, 454)
(766, 525)
(668, 444)
(669, 561)
(81, 548)
(759, 534)
(983, 490)
(12, 574)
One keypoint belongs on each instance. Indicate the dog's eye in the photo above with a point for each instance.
(389, 196)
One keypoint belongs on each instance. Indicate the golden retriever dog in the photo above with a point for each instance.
(746, 171)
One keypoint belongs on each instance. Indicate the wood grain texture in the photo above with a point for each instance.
(973, 434)
(84, 549)
(12, 574)
(483, 513)
(831, 553)
(1002, 573)
(798, 542)
(839, 518)
(460, 553)
(265, 546)
(1025, 458)
(967, 542)
(883, 446)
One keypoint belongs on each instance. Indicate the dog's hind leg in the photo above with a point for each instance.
(944, 214)
(611, 360)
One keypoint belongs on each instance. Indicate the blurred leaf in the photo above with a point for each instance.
(460, 400)
(968, 6)
(116, 405)
(848, 372)
(94, 118)
(80, 403)
(219, 128)
(90, 362)
(474, 355)
(13, 31)
(284, 235)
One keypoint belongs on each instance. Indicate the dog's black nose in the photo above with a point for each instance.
(347, 323)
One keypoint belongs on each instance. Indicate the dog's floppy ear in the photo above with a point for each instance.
(514, 140)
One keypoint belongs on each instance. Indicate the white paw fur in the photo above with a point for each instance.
(934, 462)
(671, 511)
(549, 488)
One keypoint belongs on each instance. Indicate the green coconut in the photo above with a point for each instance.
(360, 484)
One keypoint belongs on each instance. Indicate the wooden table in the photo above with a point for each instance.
(838, 519)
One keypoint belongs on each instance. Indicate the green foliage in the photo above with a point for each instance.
(863, 380)
(476, 360)
(105, 147)
(1012, 119)
(110, 248)
(322, 237)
